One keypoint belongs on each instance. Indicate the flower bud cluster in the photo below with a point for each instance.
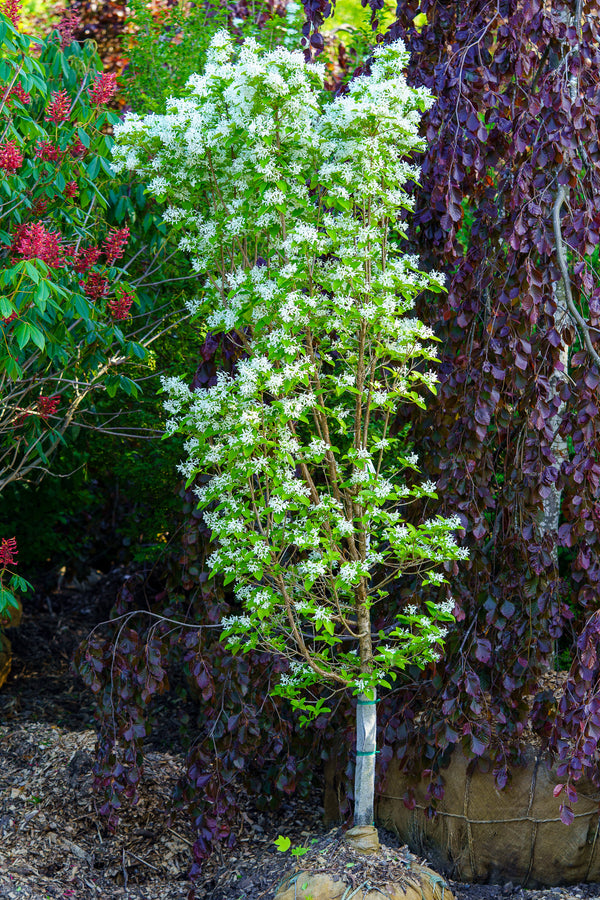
(103, 89)
(8, 552)
(47, 406)
(59, 108)
(11, 158)
(67, 27)
(120, 308)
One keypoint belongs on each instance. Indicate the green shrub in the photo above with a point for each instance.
(65, 309)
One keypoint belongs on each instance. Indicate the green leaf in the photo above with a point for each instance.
(7, 599)
(20, 584)
(6, 308)
(83, 137)
(111, 385)
(82, 308)
(13, 369)
(106, 167)
(136, 349)
(283, 843)
(32, 271)
(23, 333)
(129, 386)
(41, 295)
(39, 83)
(419, 21)
(93, 167)
(37, 337)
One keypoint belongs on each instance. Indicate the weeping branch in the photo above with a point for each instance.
(581, 324)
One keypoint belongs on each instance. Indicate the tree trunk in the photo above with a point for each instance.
(366, 745)
(552, 503)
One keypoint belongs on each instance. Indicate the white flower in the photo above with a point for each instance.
(158, 185)
(436, 577)
(447, 606)
(236, 622)
(320, 614)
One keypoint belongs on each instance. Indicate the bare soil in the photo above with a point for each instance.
(54, 843)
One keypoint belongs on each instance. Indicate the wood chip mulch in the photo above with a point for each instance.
(54, 843)
(52, 839)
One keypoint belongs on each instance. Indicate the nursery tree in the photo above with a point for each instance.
(289, 206)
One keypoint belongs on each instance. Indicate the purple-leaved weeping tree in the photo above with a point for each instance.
(508, 206)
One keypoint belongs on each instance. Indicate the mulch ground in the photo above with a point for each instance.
(54, 843)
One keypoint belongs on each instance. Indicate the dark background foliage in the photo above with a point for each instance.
(513, 426)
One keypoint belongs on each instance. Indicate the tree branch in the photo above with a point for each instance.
(580, 322)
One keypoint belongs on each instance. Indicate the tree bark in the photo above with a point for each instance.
(552, 503)
(366, 745)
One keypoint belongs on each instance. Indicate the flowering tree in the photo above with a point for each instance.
(290, 205)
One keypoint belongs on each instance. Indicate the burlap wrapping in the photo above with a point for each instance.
(5, 658)
(421, 883)
(11, 617)
(482, 834)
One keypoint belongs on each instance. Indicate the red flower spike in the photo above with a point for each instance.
(95, 286)
(59, 108)
(66, 28)
(103, 89)
(19, 92)
(47, 406)
(119, 308)
(7, 319)
(34, 242)
(8, 552)
(71, 189)
(47, 150)
(12, 11)
(11, 157)
(115, 243)
(40, 206)
(77, 149)
(85, 258)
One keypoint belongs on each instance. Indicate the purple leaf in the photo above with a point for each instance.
(566, 815)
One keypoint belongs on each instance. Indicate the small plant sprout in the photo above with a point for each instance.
(291, 207)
